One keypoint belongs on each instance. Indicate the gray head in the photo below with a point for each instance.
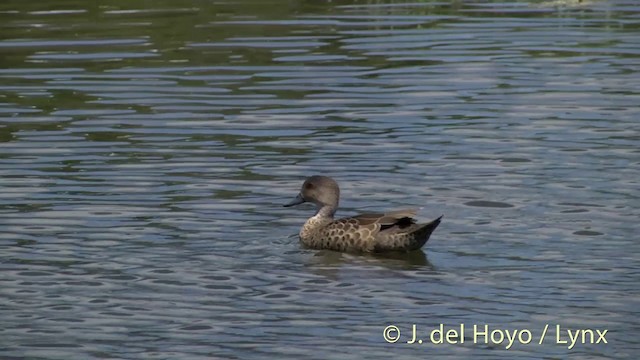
(320, 190)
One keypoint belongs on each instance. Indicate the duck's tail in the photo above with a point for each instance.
(422, 234)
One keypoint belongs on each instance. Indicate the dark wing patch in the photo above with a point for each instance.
(400, 223)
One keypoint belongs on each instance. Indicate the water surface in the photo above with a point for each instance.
(146, 149)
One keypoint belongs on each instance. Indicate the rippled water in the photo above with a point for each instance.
(146, 149)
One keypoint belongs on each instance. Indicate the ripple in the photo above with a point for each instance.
(196, 327)
(587, 233)
(488, 204)
(53, 345)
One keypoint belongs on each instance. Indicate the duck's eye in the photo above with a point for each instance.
(308, 186)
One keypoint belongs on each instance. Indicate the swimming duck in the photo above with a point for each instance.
(392, 231)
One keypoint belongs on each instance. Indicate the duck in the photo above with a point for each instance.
(395, 231)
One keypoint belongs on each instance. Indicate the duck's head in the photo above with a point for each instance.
(320, 190)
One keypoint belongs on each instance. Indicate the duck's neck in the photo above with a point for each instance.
(325, 211)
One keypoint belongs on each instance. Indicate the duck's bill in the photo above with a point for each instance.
(298, 200)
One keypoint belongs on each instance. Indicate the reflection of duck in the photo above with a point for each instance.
(404, 260)
(328, 263)
(392, 231)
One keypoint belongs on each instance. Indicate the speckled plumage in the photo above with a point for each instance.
(392, 231)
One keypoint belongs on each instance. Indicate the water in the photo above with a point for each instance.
(146, 149)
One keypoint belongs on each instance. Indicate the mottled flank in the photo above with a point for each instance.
(392, 231)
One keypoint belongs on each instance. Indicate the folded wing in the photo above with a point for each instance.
(399, 219)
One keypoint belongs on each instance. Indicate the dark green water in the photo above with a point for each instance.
(146, 148)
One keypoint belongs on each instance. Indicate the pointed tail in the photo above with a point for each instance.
(423, 233)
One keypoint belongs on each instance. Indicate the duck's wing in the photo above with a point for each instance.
(389, 231)
(359, 232)
(399, 218)
(408, 238)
